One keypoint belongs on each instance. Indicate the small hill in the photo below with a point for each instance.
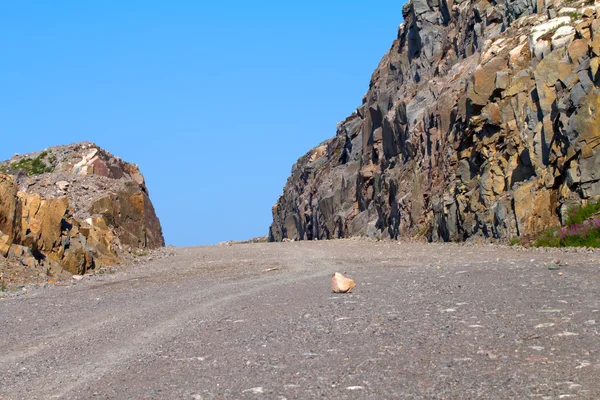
(69, 209)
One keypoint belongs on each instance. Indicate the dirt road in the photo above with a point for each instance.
(259, 321)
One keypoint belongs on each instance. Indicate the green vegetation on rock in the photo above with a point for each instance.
(578, 215)
(582, 229)
(35, 166)
(515, 241)
(574, 16)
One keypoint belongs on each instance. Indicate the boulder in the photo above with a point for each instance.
(341, 284)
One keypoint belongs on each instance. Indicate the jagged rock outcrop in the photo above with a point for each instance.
(480, 121)
(73, 208)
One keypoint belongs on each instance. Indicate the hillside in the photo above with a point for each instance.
(479, 122)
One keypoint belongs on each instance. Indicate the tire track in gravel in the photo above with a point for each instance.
(126, 343)
(97, 320)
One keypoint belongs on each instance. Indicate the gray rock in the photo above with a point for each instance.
(518, 8)
(463, 132)
(420, 6)
(577, 94)
(589, 171)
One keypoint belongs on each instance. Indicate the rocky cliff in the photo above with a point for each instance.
(69, 209)
(480, 121)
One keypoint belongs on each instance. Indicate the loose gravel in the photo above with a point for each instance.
(425, 321)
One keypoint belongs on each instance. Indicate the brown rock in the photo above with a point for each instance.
(595, 45)
(520, 56)
(587, 124)
(51, 214)
(502, 80)
(521, 83)
(484, 77)
(132, 215)
(594, 64)
(535, 209)
(577, 49)
(584, 30)
(4, 244)
(494, 115)
(17, 252)
(9, 210)
(101, 238)
(77, 260)
(341, 284)
(29, 261)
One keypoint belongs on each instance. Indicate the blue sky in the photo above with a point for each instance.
(213, 100)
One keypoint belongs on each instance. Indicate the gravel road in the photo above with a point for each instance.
(426, 321)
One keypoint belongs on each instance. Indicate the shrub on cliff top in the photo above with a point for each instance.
(35, 166)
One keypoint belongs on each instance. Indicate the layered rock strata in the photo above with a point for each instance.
(480, 122)
(73, 208)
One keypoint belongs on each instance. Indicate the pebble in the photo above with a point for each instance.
(544, 325)
(355, 388)
(566, 333)
(255, 390)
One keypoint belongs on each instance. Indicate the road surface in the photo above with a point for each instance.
(426, 321)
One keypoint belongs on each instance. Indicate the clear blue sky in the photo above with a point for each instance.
(214, 100)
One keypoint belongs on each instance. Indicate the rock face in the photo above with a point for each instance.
(482, 121)
(73, 208)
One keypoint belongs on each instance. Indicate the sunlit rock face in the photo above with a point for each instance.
(480, 122)
(72, 208)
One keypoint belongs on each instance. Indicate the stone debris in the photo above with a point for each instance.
(481, 122)
(62, 185)
(341, 284)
